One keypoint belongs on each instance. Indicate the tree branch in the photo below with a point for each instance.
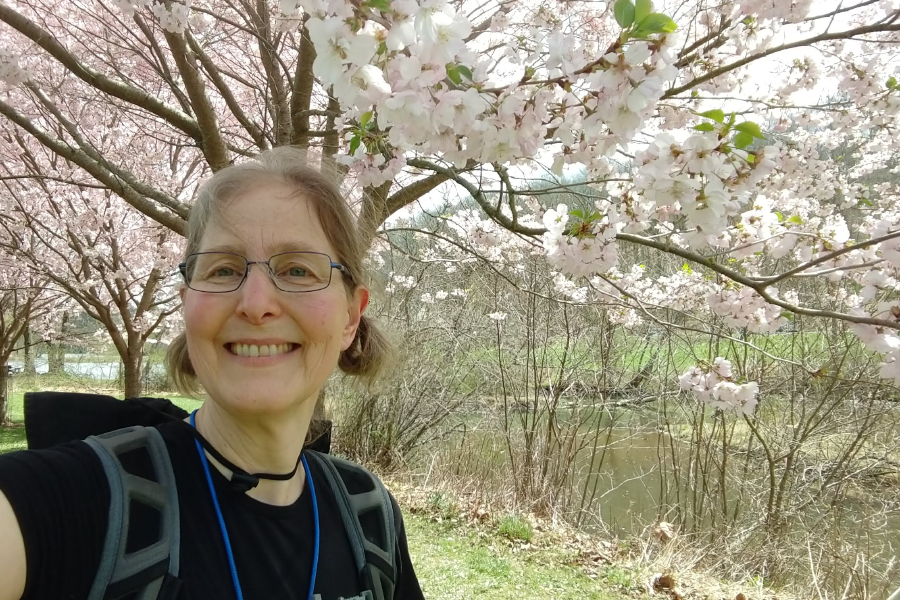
(757, 286)
(301, 95)
(270, 61)
(98, 171)
(171, 203)
(826, 257)
(233, 105)
(211, 142)
(807, 42)
(97, 80)
(477, 194)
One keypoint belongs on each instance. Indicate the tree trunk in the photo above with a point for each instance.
(56, 358)
(4, 395)
(28, 366)
(56, 352)
(132, 373)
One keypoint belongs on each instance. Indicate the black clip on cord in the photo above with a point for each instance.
(241, 480)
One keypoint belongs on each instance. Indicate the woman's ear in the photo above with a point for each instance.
(357, 303)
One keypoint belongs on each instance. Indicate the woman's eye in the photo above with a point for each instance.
(297, 272)
(223, 272)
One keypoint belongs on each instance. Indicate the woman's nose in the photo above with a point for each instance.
(259, 296)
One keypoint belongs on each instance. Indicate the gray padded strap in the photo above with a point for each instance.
(351, 507)
(115, 565)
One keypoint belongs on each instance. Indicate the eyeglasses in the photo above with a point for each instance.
(220, 272)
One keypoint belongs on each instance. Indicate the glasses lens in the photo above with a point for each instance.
(301, 271)
(215, 271)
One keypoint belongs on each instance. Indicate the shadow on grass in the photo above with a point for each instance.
(12, 437)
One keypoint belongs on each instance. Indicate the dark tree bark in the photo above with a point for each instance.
(28, 359)
(4, 394)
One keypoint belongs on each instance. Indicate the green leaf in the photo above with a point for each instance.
(365, 118)
(642, 8)
(624, 13)
(705, 127)
(796, 220)
(382, 48)
(716, 114)
(751, 158)
(529, 72)
(891, 83)
(576, 213)
(655, 23)
(453, 74)
(751, 128)
(465, 72)
(864, 202)
(742, 140)
(382, 5)
(354, 144)
(780, 216)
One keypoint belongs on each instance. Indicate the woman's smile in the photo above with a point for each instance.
(262, 353)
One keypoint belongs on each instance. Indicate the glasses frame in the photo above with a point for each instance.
(182, 268)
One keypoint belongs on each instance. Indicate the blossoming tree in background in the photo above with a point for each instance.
(695, 121)
(93, 249)
(22, 299)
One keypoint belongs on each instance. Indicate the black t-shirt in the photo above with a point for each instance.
(61, 500)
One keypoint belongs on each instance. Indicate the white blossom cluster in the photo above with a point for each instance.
(11, 73)
(716, 387)
(745, 308)
(592, 252)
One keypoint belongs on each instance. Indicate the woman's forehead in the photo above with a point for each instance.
(264, 220)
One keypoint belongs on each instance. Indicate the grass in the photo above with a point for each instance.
(515, 528)
(455, 562)
(12, 438)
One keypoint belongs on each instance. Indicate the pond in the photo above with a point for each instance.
(628, 479)
(75, 366)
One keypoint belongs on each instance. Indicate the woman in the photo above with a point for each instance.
(272, 302)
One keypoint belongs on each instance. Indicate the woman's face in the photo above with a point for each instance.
(308, 330)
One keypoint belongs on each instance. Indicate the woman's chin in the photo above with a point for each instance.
(259, 402)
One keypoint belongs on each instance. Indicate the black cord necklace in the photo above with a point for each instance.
(241, 480)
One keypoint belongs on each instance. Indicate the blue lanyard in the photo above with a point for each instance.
(215, 499)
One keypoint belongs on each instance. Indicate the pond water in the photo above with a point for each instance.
(92, 370)
(629, 478)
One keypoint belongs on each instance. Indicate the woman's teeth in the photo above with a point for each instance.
(265, 350)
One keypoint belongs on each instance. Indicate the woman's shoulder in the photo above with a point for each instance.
(60, 498)
(75, 455)
(63, 470)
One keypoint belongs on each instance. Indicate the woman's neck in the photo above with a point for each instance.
(268, 444)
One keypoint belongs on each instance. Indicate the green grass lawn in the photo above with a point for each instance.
(456, 563)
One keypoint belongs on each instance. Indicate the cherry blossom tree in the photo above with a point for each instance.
(696, 121)
(23, 297)
(115, 265)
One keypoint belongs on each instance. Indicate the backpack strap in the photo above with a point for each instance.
(152, 571)
(368, 515)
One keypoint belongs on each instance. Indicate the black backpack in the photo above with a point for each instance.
(151, 573)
